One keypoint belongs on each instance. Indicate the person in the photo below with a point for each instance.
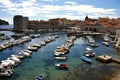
(104, 55)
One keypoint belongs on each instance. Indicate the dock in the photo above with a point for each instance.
(107, 59)
(104, 58)
(116, 60)
(90, 39)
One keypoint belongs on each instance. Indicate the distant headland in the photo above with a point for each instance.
(3, 22)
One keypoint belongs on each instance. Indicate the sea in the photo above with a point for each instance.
(42, 61)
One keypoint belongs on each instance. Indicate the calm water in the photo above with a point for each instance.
(42, 61)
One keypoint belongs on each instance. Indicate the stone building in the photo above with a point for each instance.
(92, 25)
(20, 23)
(104, 25)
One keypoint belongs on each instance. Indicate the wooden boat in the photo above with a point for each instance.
(86, 59)
(62, 66)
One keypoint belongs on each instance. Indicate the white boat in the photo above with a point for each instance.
(59, 52)
(93, 44)
(89, 52)
(32, 48)
(61, 58)
(36, 45)
(43, 43)
(8, 62)
(15, 59)
(20, 56)
(28, 51)
(106, 43)
(88, 49)
(47, 40)
(25, 53)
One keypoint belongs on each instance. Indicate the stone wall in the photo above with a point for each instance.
(95, 28)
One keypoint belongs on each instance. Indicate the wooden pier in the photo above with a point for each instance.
(106, 59)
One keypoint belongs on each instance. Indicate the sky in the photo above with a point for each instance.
(47, 9)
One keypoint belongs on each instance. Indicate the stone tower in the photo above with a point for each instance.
(20, 23)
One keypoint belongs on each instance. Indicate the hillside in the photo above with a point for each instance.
(3, 22)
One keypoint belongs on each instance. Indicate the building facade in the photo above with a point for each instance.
(104, 25)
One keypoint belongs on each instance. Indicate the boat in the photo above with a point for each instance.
(20, 56)
(25, 53)
(28, 51)
(106, 43)
(8, 71)
(84, 58)
(8, 62)
(32, 48)
(15, 59)
(36, 45)
(60, 57)
(89, 52)
(62, 66)
(43, 43)
(60, 54)
(40, 77)
(93, 44)
(88, 49)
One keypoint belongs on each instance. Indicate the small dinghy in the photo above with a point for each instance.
(40, 77)
(86, 59)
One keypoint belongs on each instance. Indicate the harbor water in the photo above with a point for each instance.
(42, 61)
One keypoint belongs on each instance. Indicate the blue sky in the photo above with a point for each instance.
(71, 9)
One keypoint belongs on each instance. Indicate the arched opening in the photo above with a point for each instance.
(95, 30)
(86, 29)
